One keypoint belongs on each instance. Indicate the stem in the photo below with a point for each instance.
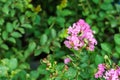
(52, 25)
(89, 6)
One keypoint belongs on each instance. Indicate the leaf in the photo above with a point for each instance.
(5, 9)
(32, 46)
(60, 21)
(64, 12)
(3, 70)
(117, 39)
(46, 49)
(27, 26)
(106, 6)
(53, 33)
(106, 47)
(1, 21)
(22, 19)
(113, 23)
(12, 13)
(34, 75)
(117, 48)
(37, 19)
(21, 30)
(56, 44)
(93, 16)
(108, 1)
(43, 39)
(95, 29)
(38, 52)
(4, 46)
(4, 35)
(116, 55)
(51, 20)
(1, 41)
(3, 0)
(16, 34)
(13, 63)
(96, 1)
(11, 39)
(98, 59)
(71, 73)
(9, 27)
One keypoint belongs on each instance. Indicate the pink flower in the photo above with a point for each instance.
(111, 74)
(66, 60)
(80, 35)
(101, 70)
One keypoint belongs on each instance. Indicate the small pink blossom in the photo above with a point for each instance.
(66, 60)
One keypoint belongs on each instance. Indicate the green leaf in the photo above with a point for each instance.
(117, 39)
(53, 33)
(3, 71)
(43, 39)
(96, 1)
(108, 1)
(34, 75)
(106, 6)
(4, 46)
(9, 27)
(16, 34)
(116, 55)
(21, 75)
(56, 44)
(1, 21)
(1, 41)
(12, 13)
(63, 33)
(60, 21)
(93, 16)
(27, 25)
(32, 46)
(4, 35)
(5, 9)
(98, 59)
(37, 19)
(46, 49)
(21, 30)
(60, 67)
(113, 23)
(95, 29)
(11, 39)
(71, 73)
(51, 20)
(106, 47)
(3, 0)
(117, 48)
(13, 63)
(38, 52)
(22, 19)
(64, 12)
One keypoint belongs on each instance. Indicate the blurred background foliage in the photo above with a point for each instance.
(32, 34)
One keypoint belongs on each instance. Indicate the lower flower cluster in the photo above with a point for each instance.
(108, 74)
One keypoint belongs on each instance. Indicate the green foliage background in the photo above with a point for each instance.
(32, 35)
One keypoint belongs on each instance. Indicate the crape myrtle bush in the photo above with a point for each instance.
(32, 34)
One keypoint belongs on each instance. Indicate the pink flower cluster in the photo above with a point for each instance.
(111, 74)
(80, 35)
(101, 70)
